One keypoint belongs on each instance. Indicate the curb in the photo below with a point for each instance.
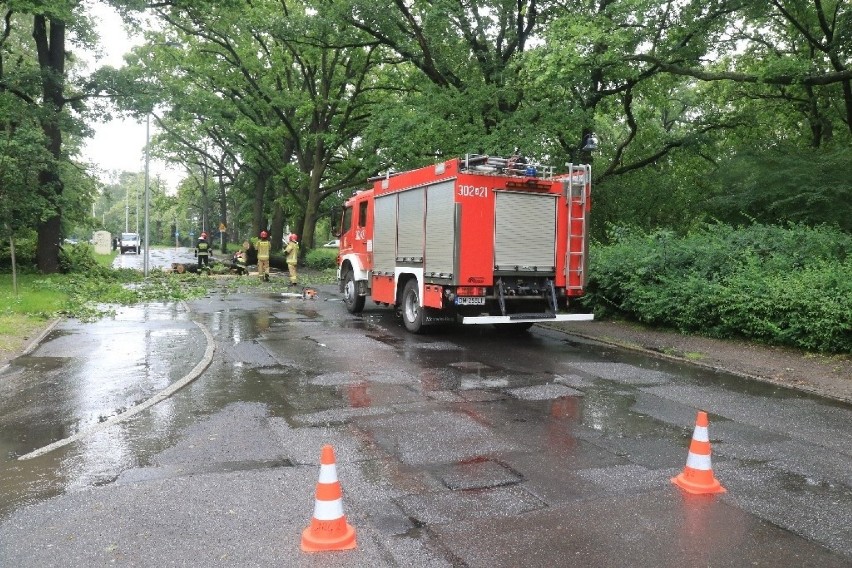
(716, 368)
(31, 344)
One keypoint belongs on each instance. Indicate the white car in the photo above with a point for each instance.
(332, 244)
(128, 242)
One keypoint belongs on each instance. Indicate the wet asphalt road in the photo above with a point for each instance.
(456, 448)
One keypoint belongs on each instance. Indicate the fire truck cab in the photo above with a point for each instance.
(474, 240)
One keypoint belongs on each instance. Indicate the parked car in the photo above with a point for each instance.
(128, 242)
(332, 244)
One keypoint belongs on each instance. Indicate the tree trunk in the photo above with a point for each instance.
(276, 231)
(14, 261)
(50, 45)
(309, 223)
(223, 212)
(258, 221)
(205, 202)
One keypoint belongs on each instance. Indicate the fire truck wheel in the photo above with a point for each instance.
(412, 312)
(354, 302)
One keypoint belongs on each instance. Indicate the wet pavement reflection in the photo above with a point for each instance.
(73, 381)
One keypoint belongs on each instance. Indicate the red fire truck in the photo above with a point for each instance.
(475, 240)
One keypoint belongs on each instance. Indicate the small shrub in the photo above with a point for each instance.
(321, 258)
(80, 259)
(25, 252)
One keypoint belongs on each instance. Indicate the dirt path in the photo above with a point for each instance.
(829, 376)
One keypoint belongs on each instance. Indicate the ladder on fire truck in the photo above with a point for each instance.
(579, 176)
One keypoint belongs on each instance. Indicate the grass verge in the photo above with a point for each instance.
(26, 313)
(95, 293)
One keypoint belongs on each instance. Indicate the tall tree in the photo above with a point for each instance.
(37, 74)
(266, 83)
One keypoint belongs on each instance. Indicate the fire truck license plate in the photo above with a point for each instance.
(470, 301)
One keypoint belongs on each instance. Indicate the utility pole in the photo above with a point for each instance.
(147, 192)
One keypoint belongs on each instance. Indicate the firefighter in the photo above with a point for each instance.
(243, 257)
(263, 247)
(292, 253)
(251, 253)
(238, 262)
(202, 252)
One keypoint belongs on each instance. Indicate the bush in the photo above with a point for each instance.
(79, 258)
(780, 285)
(321, 258)
(25, 252)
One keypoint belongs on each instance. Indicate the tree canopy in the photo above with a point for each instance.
(705, 109)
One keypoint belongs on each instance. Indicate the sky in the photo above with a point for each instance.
(119, 145)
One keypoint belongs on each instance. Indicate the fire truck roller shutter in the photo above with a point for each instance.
(384, 234)
(525, 231)
(410, 233)
(440, 229)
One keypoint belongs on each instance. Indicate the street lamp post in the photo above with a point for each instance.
(147, 190)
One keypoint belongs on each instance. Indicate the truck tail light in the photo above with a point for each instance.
(470, 291)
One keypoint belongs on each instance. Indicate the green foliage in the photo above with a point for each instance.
(22, 156)
(290, 109)
(668, 195)
(79, 258)
(787, 286)
(25, 251)
(786, 184)
(321, 258)
(92, 294)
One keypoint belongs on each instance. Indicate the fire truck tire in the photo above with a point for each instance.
(412, 311)
(354, 302)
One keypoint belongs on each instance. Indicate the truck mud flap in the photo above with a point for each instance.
(525, 318)
(436, 317)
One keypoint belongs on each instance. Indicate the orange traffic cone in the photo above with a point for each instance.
(697, 477)
(329, 529)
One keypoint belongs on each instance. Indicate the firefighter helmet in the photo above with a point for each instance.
(263, 234)
(294, 237)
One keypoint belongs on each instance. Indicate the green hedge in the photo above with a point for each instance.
(321, 258)
(779, 285)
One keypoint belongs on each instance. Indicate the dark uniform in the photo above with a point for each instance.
(202, 251)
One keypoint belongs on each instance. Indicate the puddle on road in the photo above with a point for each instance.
(462, 390)
(385, 338)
